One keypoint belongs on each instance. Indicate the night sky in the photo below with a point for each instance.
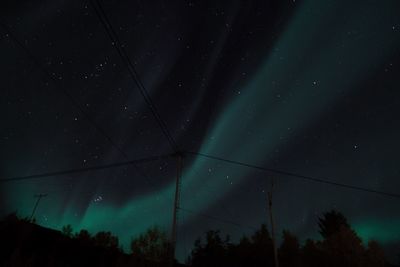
(309, 87)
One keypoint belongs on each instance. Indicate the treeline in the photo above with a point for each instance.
(24, 243)
(340, 246)
(153, 245)
(27, 244)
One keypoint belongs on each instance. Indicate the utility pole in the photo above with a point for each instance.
(39, 197)
(272, 224)
(179, 158)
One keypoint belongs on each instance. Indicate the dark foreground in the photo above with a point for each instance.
(26, 244)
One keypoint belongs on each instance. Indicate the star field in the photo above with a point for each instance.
(309, 87)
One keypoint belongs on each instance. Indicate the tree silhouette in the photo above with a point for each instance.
(345, 247)
(106, 240)
(83, 236)
(216, 251)
(213, 253)
(311, 255)
(261, 236)
(67, 230)
(32, 245)
(262, 247)
(374, 255)
(243, 253)
(289, 251)
(331, 223)
(152, 245)
(341, 245)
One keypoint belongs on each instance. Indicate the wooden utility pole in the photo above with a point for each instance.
(39, 197)
(179, 158)
(272, 225)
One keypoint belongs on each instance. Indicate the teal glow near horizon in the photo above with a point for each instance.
(383, 231)
(291, 91)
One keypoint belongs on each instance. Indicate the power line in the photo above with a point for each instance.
(65, 92)
(70, 98)
(115, 41)
(101, 14)
(121, 51)
(81, 170)
(295, 175)
(143, 91)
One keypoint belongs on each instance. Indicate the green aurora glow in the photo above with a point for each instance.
(311, 83)
(386, 231)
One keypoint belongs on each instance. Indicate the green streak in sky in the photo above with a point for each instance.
(383, 231)
(301, 79)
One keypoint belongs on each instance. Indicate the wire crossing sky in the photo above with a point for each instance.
(309, 87)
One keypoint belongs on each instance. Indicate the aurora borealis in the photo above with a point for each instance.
(309, 87)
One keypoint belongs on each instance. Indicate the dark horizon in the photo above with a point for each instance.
(339, 245)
